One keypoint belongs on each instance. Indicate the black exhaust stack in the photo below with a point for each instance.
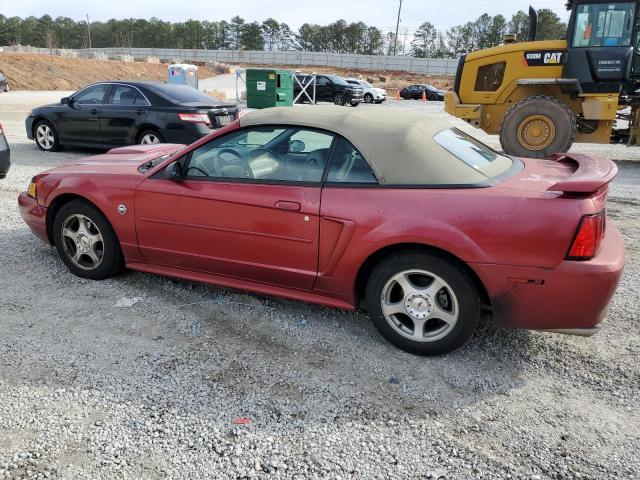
(533, 24)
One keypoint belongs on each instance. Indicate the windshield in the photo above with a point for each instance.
(603, 25)
(472, 152)
(364, 83)
(184, 94)
(337, 80)
(431, 88)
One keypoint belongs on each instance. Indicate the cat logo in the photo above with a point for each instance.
(544, 58)
(553, 57)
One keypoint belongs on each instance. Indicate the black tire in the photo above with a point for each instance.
(147, 133)
(468, 301)
(43, 141)
(368, 98)
(555, 117)
(339, 99)
(112, 261)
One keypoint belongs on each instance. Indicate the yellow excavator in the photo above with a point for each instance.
(542, 96)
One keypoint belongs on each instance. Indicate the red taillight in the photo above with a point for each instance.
(195, 118)
(588, 237)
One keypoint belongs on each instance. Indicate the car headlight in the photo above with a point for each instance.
(31, 191)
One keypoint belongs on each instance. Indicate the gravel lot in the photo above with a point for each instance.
(145, 377)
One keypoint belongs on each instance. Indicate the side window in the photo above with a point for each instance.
(322, 81)
(92, 95)
(141, 100)
(348, 165)
(289, 154)
(122, 95)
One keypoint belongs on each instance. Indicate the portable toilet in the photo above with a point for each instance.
(183, 74)
(269, 88)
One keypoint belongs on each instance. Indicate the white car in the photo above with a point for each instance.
(371, 94)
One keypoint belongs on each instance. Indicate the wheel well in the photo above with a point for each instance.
(56, 205)
(35, 123)
(376, 257)
(144, 128)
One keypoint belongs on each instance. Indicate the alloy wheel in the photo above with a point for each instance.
(420, 305)
(149, 138)
(45, 137)
(82, 241)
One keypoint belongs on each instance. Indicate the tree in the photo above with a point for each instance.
(549, 25)
(424, 41)
(270, 32)
(251, 38)
(519, 25)
(236, 27)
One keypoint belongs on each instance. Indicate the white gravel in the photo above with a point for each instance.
(142, 377)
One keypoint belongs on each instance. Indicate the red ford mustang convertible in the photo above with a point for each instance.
(417, 220)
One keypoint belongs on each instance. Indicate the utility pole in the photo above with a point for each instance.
(89, 30)
(404, 43)
(395, 40)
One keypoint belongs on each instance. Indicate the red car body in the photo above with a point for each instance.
(513, 236)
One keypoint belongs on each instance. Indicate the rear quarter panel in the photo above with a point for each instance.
(490, 225)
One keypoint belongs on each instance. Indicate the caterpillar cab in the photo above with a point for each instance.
(542, 96)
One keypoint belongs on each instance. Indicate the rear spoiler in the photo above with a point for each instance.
(592, 173)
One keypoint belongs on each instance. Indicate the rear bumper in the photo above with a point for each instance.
(573, 296)
(34, 215)
(5, 158)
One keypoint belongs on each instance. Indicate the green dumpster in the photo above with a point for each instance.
(269, 88)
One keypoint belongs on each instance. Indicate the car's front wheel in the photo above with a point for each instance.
(339, 99)
(422, 303)
(46, 136)
(368, 98)
(86, 242)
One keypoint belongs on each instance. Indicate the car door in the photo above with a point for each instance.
(79, 120)
(125, 110)
(240, 211)
(323, 88)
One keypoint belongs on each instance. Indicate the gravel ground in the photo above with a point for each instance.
(144, 377)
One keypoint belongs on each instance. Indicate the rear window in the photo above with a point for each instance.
(472, 152)
(184, 94)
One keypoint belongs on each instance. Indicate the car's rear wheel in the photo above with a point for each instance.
(422, 303)
(86, 242)
(339, 99)
(46, 136)
(368, 98)
(150, 137)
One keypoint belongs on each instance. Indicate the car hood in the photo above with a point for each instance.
(118, 161)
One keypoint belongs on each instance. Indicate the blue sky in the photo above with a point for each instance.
(381, 13)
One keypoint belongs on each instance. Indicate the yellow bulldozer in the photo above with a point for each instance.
(542, 96)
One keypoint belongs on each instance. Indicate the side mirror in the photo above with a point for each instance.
(65, 101)
(174, 172)
(296, 146)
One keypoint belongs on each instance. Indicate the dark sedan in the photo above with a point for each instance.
(5, 154)
(415, 92)
(111, 114)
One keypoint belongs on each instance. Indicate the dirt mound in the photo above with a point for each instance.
(44, 72)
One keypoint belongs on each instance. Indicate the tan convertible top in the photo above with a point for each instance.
(397, 142)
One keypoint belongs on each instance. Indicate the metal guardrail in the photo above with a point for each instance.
(429, 66)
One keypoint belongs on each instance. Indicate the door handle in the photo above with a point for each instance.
(140, 111)
(284, 205)
(94, 111)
